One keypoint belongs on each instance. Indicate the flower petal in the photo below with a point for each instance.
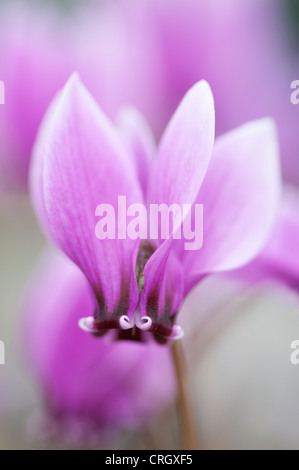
(37, 165)
(83, 165)
(279, 260)
(185, 149)
(240, 197)
(140, 141)
(183, 157)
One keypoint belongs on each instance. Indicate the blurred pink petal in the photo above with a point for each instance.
(85, 379)
(279, 261)
(34, 65)
(185, 149)
(147, 54)
(40, 47)
(250, 74)
(140, 140)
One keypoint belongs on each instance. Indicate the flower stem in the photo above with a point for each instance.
(187, 425)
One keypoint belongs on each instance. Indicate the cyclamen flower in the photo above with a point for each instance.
(81, 160)
(88, 384)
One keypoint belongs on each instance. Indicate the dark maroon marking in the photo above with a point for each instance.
(160, 339)
(152, 304)
(101, 310)
(105, 320)
(134, 334)
(163, 324)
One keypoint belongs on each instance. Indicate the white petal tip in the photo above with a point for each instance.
(177, 333)
(126, 323)
(144, 323)
(87, 324)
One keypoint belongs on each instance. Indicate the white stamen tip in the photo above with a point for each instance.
(126, 323)
(144, 323)
(87, 324)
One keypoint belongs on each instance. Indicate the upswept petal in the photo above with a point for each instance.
(36, 168)
(182, 161)
(240, 197)
(185, 149)
(83, 164)
(140, 140)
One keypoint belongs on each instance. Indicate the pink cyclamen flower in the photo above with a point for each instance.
(87, 381)
(81, 160)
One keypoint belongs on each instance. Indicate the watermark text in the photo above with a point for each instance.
(159, 221)
(295, 94)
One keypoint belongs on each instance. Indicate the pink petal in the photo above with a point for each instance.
(83, 164)
(240, 197)
(140, 141)
(37, 167)
(282, 250)
(183, 157)
(279, 260)
(185, 149)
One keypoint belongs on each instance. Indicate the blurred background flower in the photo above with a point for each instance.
(148, 53)
(244, 51)
(41, 46)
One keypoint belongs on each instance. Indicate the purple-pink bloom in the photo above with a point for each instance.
(89, 382)
(81, 159)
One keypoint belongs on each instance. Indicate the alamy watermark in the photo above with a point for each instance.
(295, 93)
(2, 92)
(159, 221)
(294, 357)
(2, 353)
